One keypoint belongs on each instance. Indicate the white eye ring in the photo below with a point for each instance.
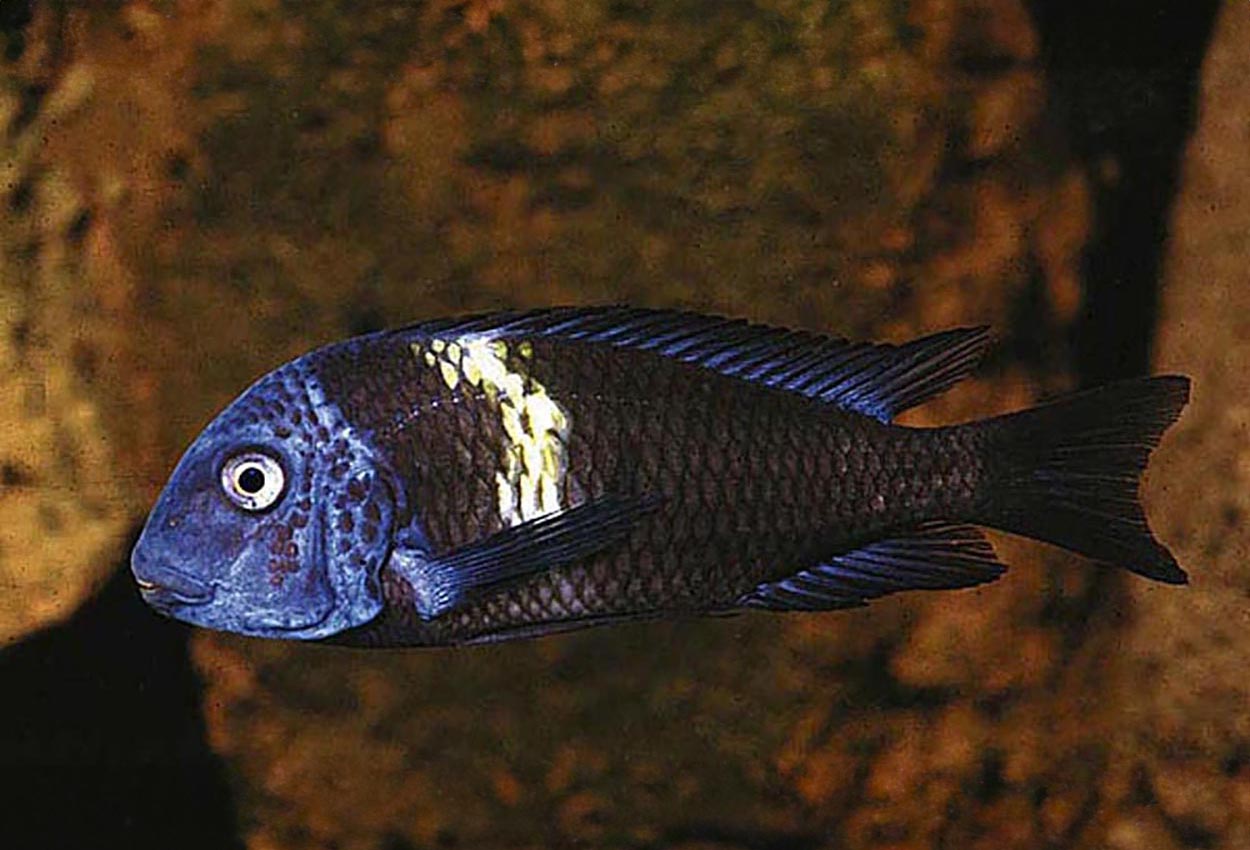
(252, 480)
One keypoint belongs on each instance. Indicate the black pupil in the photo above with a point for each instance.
(251, 480)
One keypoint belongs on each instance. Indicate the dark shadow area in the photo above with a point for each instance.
(101, 735)
(1124, 78)
(714, 836)
(14, 16)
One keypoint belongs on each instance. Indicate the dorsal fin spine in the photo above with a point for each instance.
(875, 380)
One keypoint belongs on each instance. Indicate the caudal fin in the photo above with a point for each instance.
(1068, 472)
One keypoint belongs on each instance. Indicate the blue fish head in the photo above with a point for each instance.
(274, 523)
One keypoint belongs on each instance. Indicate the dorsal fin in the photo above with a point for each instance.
(878, 380)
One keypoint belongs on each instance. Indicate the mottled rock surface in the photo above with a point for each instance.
(65, 505)
(248, 178)
(1186, 682)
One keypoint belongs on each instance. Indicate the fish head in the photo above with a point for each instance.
(273, 523)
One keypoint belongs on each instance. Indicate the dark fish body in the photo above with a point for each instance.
(520, 474)
(750, 480)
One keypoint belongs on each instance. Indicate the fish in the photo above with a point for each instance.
(525, 473)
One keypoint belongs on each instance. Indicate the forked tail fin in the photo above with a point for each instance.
(1068, 472)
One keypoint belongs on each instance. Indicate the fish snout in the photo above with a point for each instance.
(159, 583)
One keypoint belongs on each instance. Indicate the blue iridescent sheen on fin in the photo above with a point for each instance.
(878, 380)
(936, 556)
(440, 584)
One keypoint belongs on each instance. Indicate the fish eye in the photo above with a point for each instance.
(252, 480)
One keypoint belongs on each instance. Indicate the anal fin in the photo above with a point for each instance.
(934, 556)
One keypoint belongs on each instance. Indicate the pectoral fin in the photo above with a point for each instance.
(441, 584)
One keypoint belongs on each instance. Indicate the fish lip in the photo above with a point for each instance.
(158, 594)
(155, 592)
(170, 584)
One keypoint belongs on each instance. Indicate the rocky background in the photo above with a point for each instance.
(193, 192)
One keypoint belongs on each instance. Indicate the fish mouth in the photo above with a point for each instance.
(171, 586)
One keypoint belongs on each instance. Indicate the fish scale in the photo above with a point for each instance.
(518, 474)
(749, 441)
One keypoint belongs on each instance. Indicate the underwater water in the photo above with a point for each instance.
(196, 193)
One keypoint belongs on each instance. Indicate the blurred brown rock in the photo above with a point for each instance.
(1186, 681)
(1141, 829)
(66, 505)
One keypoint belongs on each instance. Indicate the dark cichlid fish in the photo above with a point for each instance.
(519, 474)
